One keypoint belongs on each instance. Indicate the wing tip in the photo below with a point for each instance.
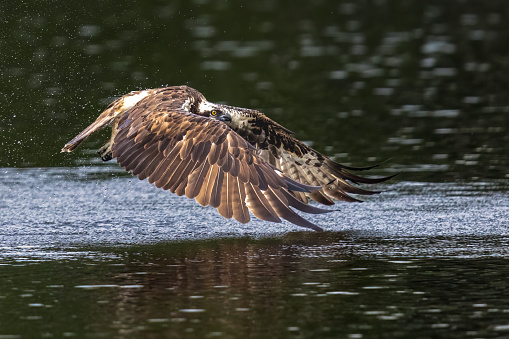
(69, 147)
(312, 226)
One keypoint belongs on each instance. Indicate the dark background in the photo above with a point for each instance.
(422, 83)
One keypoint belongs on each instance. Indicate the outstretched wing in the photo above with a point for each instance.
(205, 160)
(304, 164)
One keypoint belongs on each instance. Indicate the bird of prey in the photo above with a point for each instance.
(234, 159)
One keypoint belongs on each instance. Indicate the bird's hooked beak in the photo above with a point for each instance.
(225, 117)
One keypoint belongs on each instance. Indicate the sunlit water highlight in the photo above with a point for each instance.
(102, 205)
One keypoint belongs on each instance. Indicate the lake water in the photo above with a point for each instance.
(88, 251)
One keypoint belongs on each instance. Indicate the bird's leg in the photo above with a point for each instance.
(105, 150)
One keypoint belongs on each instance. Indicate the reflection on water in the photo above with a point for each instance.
(421, 83)
(303, 284)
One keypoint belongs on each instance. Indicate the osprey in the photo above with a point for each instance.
(234, 159)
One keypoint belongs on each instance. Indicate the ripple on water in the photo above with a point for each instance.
(93, 287)
(341, 293)
(192, 310)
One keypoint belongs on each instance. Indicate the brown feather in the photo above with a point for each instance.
(225, 162)
(181, 173)
(240, 210)
(235, 168)
(301, 196)
(225, 207)
(181, 189)
(195, 181)
(294, 202)
(259, 205)
(165, 168)
(215, 193)
(320, 197)
(162, 144)
(203, 197)
(125, 158)
(147, 162)
(214, 153)
(198, 151)
(223, 150)
(280, 205)
(186, 148)
(142, 134)
(253, 175)
(153, 163)
(262, 181)
(243, 172)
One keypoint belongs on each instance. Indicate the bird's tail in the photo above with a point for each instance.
(102, 121)
(117, 107)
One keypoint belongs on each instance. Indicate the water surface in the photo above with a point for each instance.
(89, 251)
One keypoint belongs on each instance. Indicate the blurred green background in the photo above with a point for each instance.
(424, 83)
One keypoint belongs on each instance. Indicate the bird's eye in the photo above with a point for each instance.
(213, 113)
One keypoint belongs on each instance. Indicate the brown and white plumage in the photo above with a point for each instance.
(234, 159)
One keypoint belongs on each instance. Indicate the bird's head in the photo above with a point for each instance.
(221, 115)
(215, 111)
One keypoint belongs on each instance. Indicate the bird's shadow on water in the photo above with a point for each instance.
(345, 245)
(277, 250)
(234, 261)
(281, 244)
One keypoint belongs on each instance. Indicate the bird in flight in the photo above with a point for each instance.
(234, 159)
